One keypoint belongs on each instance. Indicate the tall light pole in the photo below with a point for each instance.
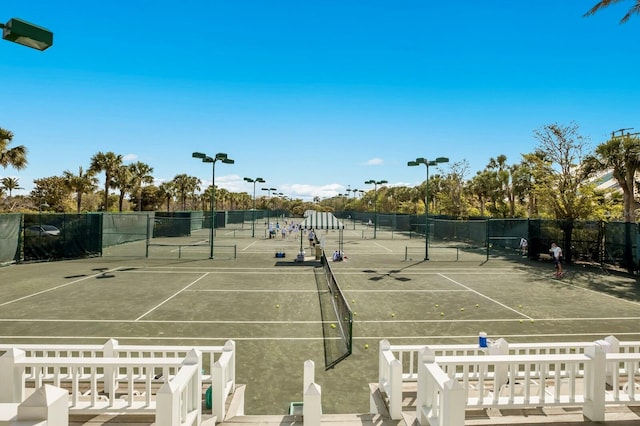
(427, 163)
(269, 202)
(221, 156)
(27, 34)
(375, 184)
(253, 218)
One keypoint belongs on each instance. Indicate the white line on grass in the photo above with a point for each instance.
(57, 287)
(486, 297)
(172, 296)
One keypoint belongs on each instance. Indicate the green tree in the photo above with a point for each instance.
(122, 182)
(15, 157)
(107, 162)
(185, 186)
(561, 190)
(52, 191)
(634, 9)
(82, 183)
(10, 183)
(167, 191)
(140, 175)
(621, 155)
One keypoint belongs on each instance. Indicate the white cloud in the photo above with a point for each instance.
(374, 162)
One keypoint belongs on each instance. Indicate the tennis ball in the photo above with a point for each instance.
(477, 305)
(531, 320)
(355, 313)
(462, 309)
(521, 321)
(393, 315)
(366, 346)
(441, 314)
(519, 306)
(353, 300)
(437, 306)
(333, 326)
(277, 306)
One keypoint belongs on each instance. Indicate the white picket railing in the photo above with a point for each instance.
(179, 401)
(124, 382)
(541, 373)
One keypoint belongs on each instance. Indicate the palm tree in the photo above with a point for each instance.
(619, 154)
(10, 184)
(83, 182)
(15, 157)
(140, 175)
(167, 192)
(634, 9)
(185, 186)
(108, 163)
(122, 182)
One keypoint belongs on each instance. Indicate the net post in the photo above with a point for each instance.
(146, 254)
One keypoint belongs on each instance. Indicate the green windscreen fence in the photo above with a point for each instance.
(9, 237)
(57, 236)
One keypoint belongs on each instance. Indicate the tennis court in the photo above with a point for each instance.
(271, 306)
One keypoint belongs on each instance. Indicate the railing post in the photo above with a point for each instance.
(425, 387)
(312, 405)
(230, 346)
(12, 388)
(453, 404)
(168, 405)
(110, 350)
(501, 377)
(614, 347)
(309, 375)
(594, 378)
(395, 390)
(48, 403)
(382, 364)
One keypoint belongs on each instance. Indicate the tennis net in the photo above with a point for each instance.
(337, 324)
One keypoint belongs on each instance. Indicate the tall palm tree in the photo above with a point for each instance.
(82, 183)
(107, 162)
(15, 157)
(10, 184)
(122, 182)
(167, 192)
(185, 186)
(634, 9)
(140, 175)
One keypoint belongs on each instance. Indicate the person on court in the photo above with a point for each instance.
(556, 253)
(524, 244)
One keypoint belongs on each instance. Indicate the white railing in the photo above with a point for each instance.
(179, 401)
(112, 348)
(125, 381)
(442, 401)
(390, 380)
(408, 354)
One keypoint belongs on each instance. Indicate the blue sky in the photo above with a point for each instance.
(313, 96)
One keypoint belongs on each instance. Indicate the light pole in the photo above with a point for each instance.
(375, 184)
(269, 205)
(253, 219)
(27, 34)
(221, 156)
(427, 163)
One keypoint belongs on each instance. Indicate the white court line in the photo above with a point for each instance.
(486, 297)
(172, 296)
(233, 290)
(57, 287)
(444, 321)
(381, 246)
(430, 337)
(248, 246)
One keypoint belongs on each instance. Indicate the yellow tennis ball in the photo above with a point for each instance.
(277, 306)
(477, 305)
(393, 315)
(437, 306)
(441, 314)
(462, 309)
(333, 326)
(521, 321)
(366, 346)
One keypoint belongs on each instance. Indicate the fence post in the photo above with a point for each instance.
(48, 403)
(12, 388)
(395, 390)
(594, 378)
(168, 405)
(501, 376)
(309, 374)
(110, 350)
(312, 405)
